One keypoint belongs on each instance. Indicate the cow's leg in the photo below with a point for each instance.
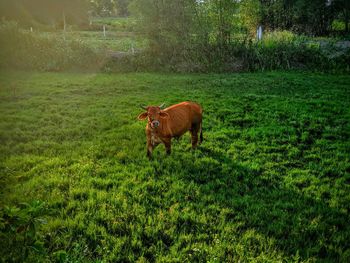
(194, 135)
(194, 139)
(149, 149)
(167, 143)
(196, 127)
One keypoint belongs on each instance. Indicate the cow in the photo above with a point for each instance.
(172, 122)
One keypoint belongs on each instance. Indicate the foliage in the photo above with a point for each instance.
(88, 50)
(167, 25)
(308, 17)
(301, 16)
(105, 8)
(342, 8)
(278, 50)
(285, 50)
(19, 234)
(212, 35)
(270, 183)
(250, 14)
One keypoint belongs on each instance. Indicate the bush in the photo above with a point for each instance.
(278, 50)
(19, 232)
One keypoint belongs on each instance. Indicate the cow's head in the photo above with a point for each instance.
(154, 115)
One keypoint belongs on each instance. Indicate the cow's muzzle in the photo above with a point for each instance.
(154, 124)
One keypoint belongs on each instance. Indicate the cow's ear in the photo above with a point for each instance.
(163, 114)
(142, 116)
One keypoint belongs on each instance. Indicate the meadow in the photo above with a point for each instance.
(270, 183)
(121, 34)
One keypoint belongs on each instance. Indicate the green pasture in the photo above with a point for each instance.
(113, 41)
(124, 24)
(120, 34)
(270, 183)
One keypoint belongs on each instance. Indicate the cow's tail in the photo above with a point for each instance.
(201, 133)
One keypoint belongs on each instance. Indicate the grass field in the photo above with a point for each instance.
(270, 183)
(121, 34)
(114, 41)
(122, 24)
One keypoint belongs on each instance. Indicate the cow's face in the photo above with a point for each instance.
(154, 115)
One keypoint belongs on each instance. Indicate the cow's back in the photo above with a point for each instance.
(182, 116)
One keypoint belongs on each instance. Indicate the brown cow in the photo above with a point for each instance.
(171, 122)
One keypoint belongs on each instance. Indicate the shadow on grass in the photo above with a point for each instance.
(298, 224)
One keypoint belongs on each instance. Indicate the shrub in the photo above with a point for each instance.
(278, 50)
(19, 234)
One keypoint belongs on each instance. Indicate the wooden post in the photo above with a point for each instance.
(104, 30)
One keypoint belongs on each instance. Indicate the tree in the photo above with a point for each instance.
(122, 7)
(109, 7)
(224, 19)
(166, 23)
(103, 7)
(250, 14)
(303, 16)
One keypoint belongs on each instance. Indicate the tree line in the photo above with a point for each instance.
(311, 17)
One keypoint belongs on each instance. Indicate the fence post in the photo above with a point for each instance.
(259, 33)
(104, 30)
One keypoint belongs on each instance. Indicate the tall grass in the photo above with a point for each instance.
(285, 50)
(278, 50)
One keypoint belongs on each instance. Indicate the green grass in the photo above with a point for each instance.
(270, 183)
(121, 34)
(114, 41)
(117, 23)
